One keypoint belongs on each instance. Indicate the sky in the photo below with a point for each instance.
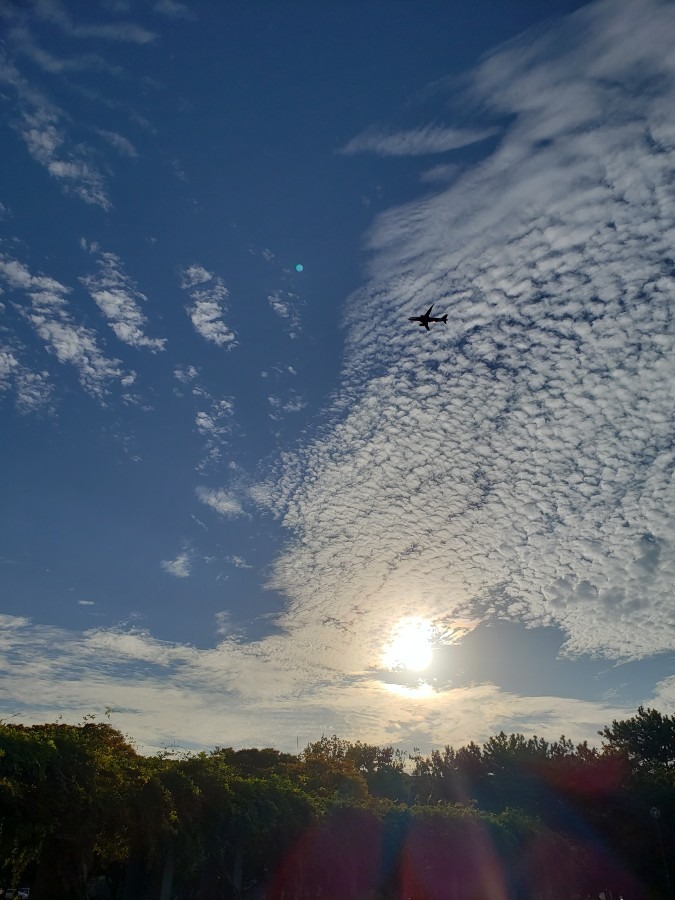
(245, 501)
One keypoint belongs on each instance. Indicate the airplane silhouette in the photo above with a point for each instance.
(427, 317)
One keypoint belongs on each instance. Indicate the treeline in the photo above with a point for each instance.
(82, 814)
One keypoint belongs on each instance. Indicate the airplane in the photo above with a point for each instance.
(427, 317)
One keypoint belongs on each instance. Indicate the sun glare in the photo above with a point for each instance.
(411, 646)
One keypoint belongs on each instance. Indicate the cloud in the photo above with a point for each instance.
(518, 462)
(215, 424)
(194, 275)
(286, 305)
(423, 141)
(224, 623)
(117, 297)
(208, 295)
(224, 503)
(40, 126)
(126, 32)
(173, 9)
(23, 41)
(33, 391)
(123, 145)
(239, 562)
(279, 304)
(50, 318)
(180, 567)
(213, 417)
(165, 692)
(280, 407)
(185, 374)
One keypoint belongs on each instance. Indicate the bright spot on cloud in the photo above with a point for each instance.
(299, 267)
(421, 691)
(411, 646)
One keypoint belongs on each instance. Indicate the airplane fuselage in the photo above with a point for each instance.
(426, 317)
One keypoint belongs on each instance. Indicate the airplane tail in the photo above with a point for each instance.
(444, 319)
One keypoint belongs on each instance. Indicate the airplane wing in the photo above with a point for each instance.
(428, 312)
(426, 325)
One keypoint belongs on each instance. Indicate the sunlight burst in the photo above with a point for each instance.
(411, 647)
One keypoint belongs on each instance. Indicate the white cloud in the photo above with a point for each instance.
(224, 623)
(22, 40)
(8, 365)
(208, 307)
(279, 304)
(40, 126)
(165, 692)
(173, 9)
(180, 567)
(194, 275)
(118, 298)
(32, 391)
(52, 321)
(224, 503)
(422, 141)
(286, 305)
(517, 462)
(291, 404)
(126, 32)
(213, 418)
(185, 374)
(216, 422)
(123, 145)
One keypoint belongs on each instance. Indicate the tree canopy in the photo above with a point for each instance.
(82, 814)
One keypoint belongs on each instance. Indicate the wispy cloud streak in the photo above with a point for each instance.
(40, 125)
(118, 298)
(207, 310)
(49, 315)
(125, 32)
(23, 41)
(422, 141)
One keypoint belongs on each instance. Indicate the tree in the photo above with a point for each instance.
(64, 787)
(647, 739)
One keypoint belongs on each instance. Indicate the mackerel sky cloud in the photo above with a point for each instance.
(532, 440)
(225, 547)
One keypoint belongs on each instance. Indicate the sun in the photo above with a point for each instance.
(411, 646)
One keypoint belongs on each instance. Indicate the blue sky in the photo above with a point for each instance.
(245, 504)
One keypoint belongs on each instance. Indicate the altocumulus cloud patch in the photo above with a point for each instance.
(520, 462)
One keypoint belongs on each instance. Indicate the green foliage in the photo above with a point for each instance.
(515, 817)
(647, 739)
